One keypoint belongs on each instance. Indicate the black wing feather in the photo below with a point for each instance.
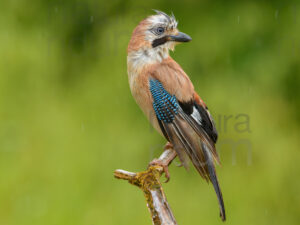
(207, 123)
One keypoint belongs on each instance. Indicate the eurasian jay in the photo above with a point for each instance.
(167, 97)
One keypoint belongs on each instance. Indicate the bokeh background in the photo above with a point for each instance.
(68, 120)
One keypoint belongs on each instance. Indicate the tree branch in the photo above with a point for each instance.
(149, 182)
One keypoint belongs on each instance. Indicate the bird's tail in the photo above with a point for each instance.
(214, 180)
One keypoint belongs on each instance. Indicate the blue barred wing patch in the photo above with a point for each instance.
(164, 104)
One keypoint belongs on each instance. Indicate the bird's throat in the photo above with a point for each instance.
(144, 57)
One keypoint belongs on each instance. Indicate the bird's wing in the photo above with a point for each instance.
(200, 119)
(189, 127)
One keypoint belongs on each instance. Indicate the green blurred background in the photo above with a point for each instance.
(68, 120)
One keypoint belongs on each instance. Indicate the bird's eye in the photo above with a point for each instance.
(160, 30)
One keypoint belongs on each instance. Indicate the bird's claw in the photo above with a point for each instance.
(157, 162)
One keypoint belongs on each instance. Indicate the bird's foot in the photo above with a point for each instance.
(164, 165)
(168, 146)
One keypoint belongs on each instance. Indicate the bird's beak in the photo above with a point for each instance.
(180, 37)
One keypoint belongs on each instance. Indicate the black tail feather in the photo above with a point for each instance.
(214, 181)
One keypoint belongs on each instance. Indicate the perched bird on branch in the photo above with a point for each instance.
(166, 95)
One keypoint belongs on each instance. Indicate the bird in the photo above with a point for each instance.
(166, 95)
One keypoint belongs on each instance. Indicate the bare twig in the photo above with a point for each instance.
(149, 182)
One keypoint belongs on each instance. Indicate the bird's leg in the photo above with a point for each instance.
(165, 160)
(168, 146)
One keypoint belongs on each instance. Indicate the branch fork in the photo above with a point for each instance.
(149, 182)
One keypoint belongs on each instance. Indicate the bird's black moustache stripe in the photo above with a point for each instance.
(159, 41)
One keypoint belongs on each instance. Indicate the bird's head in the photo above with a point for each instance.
(156, 35)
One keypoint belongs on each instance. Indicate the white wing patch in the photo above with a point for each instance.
(196, 115)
